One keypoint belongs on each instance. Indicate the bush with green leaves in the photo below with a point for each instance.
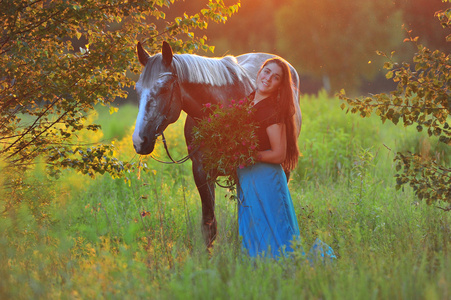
(422, 98)
(227, 147)
(61, 58)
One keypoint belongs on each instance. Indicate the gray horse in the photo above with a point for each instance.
(171, 83)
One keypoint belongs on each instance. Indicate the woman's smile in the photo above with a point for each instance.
(269, 79)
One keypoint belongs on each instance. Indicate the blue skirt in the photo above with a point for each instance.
(266, 218)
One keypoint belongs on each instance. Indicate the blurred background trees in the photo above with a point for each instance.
(336, 40)
(331, 43)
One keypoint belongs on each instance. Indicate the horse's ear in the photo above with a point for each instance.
(143, 56)
(167, 54)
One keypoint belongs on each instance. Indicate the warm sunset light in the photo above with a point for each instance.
(225, 149)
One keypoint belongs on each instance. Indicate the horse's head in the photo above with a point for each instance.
(159, 98)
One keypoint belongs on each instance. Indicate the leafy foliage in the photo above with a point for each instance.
(422, 98)
(419, 15)
(61, 58)
(227, 146)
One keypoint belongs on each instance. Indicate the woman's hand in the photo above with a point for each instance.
(278, 140)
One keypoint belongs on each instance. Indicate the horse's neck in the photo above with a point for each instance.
(195, 97)
(192, 108)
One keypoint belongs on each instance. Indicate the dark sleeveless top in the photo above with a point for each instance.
(266, 113)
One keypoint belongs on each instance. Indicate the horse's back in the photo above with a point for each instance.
(252, 63)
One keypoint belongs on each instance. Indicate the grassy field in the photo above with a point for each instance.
(82, 238)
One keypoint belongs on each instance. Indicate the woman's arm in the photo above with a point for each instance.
(278, 140)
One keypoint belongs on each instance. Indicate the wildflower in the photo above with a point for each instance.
(145, 213)
(207, 105)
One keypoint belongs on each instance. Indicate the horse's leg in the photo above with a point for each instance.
(207, 196)
(206, 190)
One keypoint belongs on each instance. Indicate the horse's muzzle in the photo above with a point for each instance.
(144, 146)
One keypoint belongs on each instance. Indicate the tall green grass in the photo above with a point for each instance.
(141, 238)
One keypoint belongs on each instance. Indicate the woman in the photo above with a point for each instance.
(266, 217)
(267, 222)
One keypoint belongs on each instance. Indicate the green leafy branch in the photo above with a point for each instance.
(422, 98)
(53, 86)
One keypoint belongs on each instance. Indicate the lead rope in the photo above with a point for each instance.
(180, 161)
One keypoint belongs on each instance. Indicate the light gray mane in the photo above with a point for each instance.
(198, 69)
(212, 71)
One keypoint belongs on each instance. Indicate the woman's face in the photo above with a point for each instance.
(269, 79)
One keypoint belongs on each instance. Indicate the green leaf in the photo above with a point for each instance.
(113, 110)
(389, 75)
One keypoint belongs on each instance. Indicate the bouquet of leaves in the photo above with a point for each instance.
(227, 138)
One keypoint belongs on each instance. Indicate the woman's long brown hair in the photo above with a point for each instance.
(287, 111)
